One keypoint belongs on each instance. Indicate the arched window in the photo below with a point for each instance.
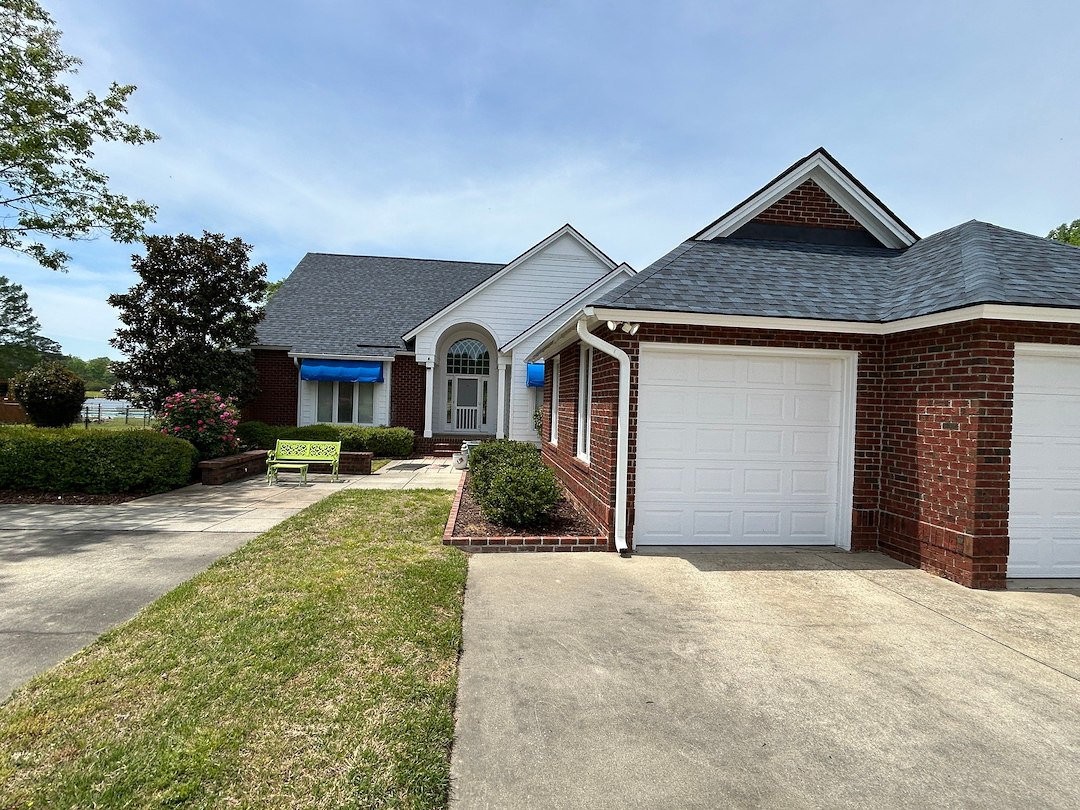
(468, 356)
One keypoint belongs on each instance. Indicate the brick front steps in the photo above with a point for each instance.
(516, 543)
(232, 468)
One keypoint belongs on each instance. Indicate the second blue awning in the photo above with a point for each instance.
(342, 370)
(535, 375)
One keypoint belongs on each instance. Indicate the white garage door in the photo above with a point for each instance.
(743, 447)
(1044, 513)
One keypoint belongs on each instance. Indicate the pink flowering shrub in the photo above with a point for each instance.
(205, 419)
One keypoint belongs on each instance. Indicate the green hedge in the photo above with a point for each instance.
(512, 484)
(392, 442)
(95, 461)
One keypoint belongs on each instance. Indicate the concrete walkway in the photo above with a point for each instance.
(68, 573)
(761, 678)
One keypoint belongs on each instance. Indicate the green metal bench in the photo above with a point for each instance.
(294, 454)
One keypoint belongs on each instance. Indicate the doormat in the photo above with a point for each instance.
(409, 466)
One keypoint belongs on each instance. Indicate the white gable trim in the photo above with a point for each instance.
(565, 230)
(835, 182)
(570, 306)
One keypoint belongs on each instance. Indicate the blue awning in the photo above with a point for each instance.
(535, 375)
(342, 370)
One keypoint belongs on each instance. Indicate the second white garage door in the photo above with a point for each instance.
(743, 447)
(1044, 515)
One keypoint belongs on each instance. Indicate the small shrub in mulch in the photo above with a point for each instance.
(512, 484)
(564, 520)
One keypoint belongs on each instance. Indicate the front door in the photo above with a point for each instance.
(466, 400)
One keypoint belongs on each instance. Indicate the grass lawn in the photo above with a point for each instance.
(314, 667)
(379, 463)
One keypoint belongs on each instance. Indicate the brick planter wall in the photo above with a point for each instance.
(218, 471)
(515, 543)
(355, 463)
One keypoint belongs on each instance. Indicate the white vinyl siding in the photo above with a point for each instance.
(1044, 491)
(584, 425)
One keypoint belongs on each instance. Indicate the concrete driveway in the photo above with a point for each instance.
(777, 678)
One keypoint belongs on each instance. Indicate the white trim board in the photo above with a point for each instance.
(993, 312)
(309, 356)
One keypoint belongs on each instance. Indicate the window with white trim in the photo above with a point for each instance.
(345, 403)
(554, 437)
(584, 431)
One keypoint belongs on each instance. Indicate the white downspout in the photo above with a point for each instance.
(623, 442)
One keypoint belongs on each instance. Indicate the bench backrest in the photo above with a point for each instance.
(299, 450)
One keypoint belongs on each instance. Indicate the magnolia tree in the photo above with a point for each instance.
(206, 419)
(188, 321)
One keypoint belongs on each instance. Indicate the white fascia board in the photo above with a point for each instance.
(856, 202)
(565, 335)
(310, 356)
(565, 230)
(995, 312)
(571, 305)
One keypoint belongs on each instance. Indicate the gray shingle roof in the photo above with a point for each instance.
(973, 263)
(362, 305)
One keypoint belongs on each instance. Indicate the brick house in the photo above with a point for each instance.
(807, 371)
(437, 346)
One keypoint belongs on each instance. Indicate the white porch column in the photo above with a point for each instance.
(429, 395)
(500, 427)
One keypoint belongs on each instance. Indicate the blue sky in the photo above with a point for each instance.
(471, 130)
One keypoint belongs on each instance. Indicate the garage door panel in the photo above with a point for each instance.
(738, 449)
(1044, 494)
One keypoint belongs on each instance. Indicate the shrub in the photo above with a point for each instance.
(393, 442)
(96, 461)
(50, 393)
(390, 442)
(311, 433)
(204, 418)
(511, 483)
(257, 434)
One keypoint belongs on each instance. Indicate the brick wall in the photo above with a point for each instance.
(407, 394)
(278, 387)
(809, 205)
(946, 436)
(932, 435)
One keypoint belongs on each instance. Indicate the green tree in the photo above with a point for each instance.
(271, 289)
(95, 372)
(1067, 233)
(48, 187)
(21, 344)
(187, 322)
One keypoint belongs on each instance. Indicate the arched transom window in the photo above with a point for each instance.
(468, 356)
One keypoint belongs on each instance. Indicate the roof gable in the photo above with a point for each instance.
(567, 231)
(815, 192)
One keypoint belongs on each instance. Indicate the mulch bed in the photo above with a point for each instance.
(566, 521)
(66, 498)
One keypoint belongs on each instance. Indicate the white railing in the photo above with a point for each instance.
(467, 418)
